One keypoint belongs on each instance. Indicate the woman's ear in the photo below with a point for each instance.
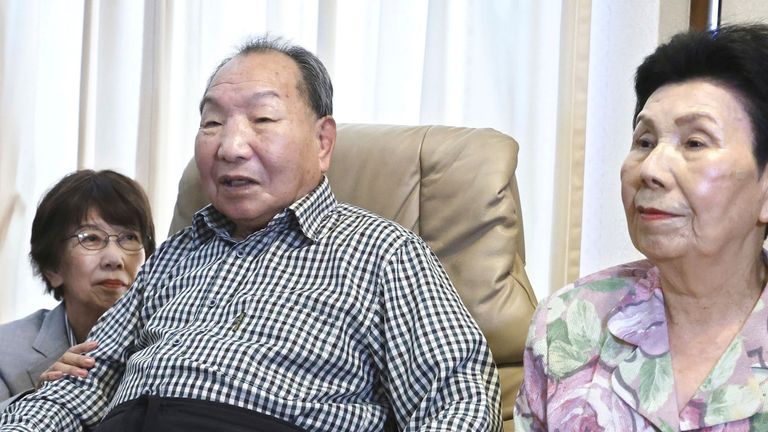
(53, 278)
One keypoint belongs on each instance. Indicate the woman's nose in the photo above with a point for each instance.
(655, 168)
(112, 256)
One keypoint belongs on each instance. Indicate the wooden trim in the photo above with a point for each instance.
(699, 12)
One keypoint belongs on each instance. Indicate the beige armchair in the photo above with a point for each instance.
(456, 188)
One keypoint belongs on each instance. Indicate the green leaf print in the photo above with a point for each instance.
(724, 367)
(573, 341)
(583, 325)
(655, 382)
(565, 358)
(732, 402)
(607, 285)
(629, 369)
(557, 331)
(665, 427)
(613, 351)
(555, 308)
(758, 422)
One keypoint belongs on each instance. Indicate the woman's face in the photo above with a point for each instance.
(690, 183)
(93, 280)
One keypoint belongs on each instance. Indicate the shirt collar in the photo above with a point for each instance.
(311, 212)
(70, 332)
(730, 393)
(314, 210)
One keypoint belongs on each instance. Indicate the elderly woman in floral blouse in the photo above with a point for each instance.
(674, 342)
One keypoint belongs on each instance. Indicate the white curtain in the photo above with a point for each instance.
(116, 83)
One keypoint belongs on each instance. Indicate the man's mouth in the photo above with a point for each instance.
(231, 181)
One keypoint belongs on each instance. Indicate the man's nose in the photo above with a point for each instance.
(236, 139)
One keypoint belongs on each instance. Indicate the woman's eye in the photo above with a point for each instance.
(264, 120)
(90, 238)
(129, 236)
(694, 143)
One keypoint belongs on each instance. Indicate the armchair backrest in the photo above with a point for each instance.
(456, 188)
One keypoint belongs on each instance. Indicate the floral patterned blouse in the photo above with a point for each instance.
(597, 359)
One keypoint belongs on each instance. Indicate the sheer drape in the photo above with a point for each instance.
(115, 84)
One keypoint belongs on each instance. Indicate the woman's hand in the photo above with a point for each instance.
(72, 362)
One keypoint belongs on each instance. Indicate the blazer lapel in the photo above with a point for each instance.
(51, 342)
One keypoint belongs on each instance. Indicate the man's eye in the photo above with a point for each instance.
(210, 124)
(644, 143)
(264, 120)
(694, 143)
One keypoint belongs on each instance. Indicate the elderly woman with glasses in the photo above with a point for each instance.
(91, 233)
(678, 341)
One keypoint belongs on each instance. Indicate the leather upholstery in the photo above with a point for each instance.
(456, 188)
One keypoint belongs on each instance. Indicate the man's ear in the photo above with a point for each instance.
(325, 130)
(53, 277)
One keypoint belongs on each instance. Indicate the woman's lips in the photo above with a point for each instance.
(651, 213)
(113, 283)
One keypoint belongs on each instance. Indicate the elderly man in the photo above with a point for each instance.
(279, 309)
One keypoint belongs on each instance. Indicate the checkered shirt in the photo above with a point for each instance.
(330, 317)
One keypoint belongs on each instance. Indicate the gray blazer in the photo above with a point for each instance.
(28, 347)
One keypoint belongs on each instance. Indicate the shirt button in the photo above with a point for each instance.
(212, 302)
(176, 341)
(147, 391)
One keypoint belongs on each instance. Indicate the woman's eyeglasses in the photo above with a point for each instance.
(96, 239)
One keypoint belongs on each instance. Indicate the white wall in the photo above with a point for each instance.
(619, 42)
(744, 11)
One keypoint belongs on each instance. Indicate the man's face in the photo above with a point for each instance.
(260, 147)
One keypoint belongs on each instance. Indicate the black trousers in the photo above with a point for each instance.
(157, 414)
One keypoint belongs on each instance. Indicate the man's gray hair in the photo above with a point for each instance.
(315, 85)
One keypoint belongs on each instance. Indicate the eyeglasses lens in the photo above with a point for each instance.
(96, 239)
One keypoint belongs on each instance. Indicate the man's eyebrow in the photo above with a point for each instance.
(255, 97)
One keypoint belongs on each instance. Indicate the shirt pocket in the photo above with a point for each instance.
(294, 346)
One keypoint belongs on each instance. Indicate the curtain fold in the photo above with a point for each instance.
(39, 94)
(86, 141)
(571, 140)
(154, 105)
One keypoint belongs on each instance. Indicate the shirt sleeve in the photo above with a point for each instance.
(437, 369)
(531, 403)
(70, 403)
